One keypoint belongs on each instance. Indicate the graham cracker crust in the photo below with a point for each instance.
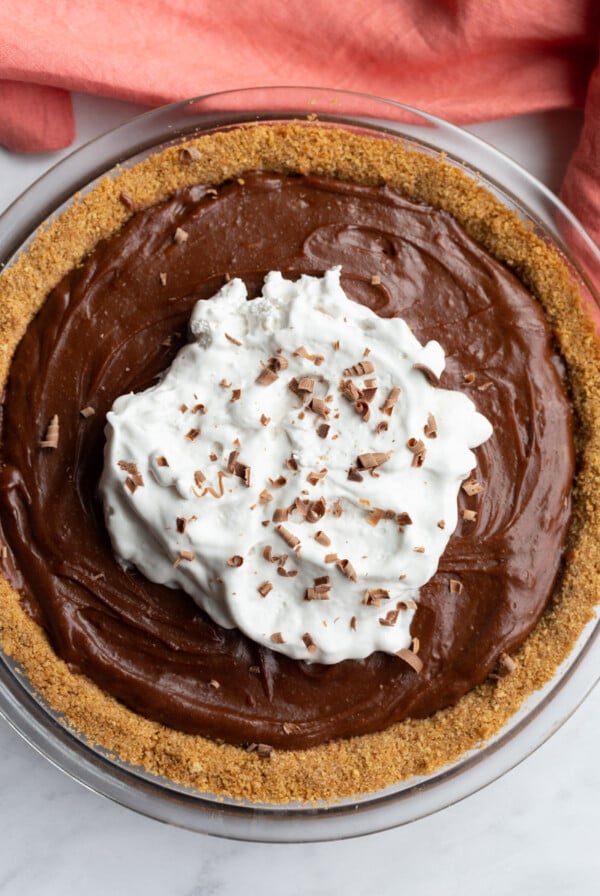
(412, 748)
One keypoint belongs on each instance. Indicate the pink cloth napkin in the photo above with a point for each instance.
(464, 60)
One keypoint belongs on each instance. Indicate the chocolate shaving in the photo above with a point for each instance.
(505, 666)
(306, 384)
(181, 524)
(360, 369)
(410, 658)
(87, 412)
(314, 478)
(127, 200)
(406, 604)
(323, 430)
(353, 622)
(235, 561)
(184, 555)
(214, 684)
(264, 589)
(163, 278)
(136, 477)
(318, 406)
(322, 538)
(279, 482)
(180, 236)
(183, 408)
(199, 477)
(161, 461)
(381, 427)
(265, 751)
(362, 409)
(390, 618)
(232, 339)
(190, 154)
(318, 592)
(50, 439)
(441, 524)
(373, 596)
(309, 643)
(404, 519)
(287, 573)
(291, 463)
(337, 508)
(199, 409)
(236, 394)
(431, 377)
(373, 459)
(469, 515)
(347, 569)
(264, 420)
(378, 513)
(280, 515)
(266, 377)
(291, 728)
(331, 558)
(242, 471)
(456, 587)
(419, 550)
(316, 510)
(303, 353)
(469, 378)
(277, 638)
(370, 389)
(277, 363)
(354, 475)
(287, 536)
(192, 435)
(301, 506)
(210, 491)
(472, 487)
(390, 403)
(349, 390)
(265, 497)
(336, 345)
(430, 428)
(417, 447)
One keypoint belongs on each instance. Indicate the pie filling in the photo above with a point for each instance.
(116, 322)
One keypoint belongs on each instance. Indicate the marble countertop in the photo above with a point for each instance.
(533, 831)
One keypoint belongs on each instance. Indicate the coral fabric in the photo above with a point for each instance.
(465, 60)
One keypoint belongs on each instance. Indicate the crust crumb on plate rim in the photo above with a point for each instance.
(367, 763)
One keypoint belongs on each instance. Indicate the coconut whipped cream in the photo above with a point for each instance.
(295, 470)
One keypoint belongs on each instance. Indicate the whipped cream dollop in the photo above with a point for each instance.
(295, 470)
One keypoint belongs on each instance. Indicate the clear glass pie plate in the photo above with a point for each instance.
(544, 711)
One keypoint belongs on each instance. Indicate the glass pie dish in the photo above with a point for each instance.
(411, 799)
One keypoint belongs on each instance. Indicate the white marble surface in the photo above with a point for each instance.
(534, 831)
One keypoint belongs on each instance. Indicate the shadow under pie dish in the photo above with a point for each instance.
(140, 670)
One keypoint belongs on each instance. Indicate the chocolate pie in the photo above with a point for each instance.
(98, 306)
